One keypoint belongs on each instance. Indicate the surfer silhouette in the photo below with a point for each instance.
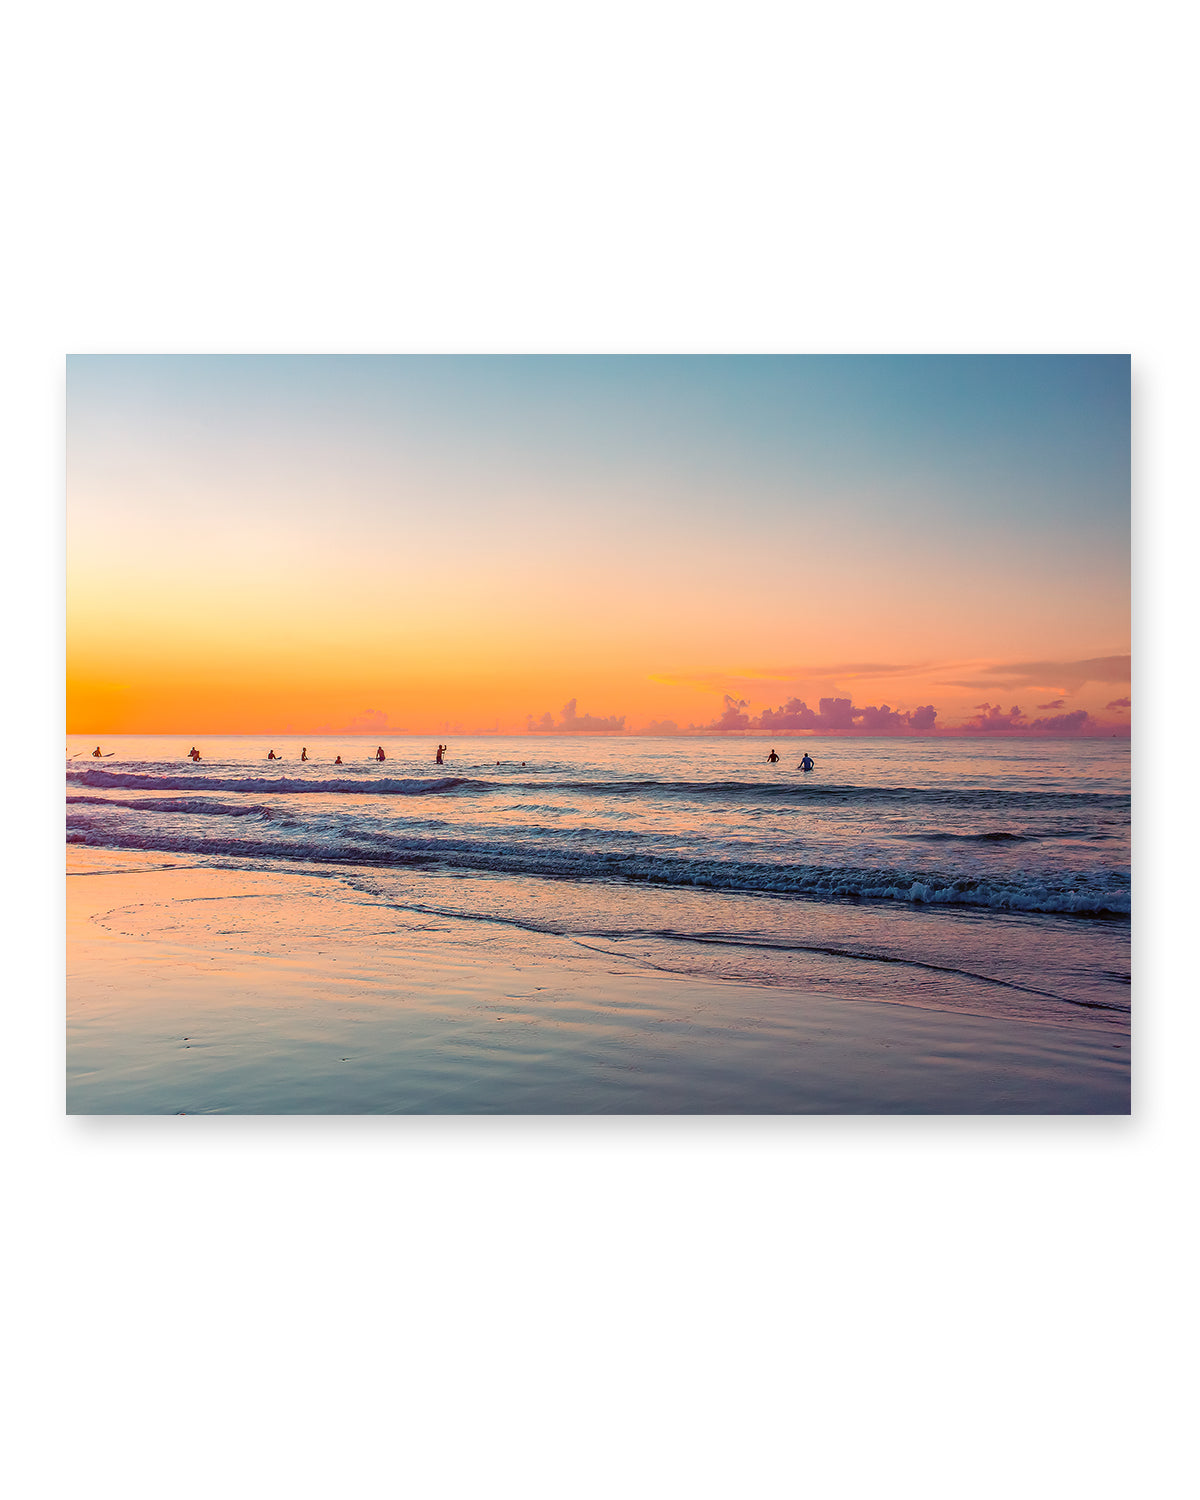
(338, 761)
(806, 764)
(441, 750)
(272, 756)
(772, 758)
(303, 752)
(379, 755)
(193, 753)
(96, 753)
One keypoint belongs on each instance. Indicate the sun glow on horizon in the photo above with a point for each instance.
(254, 541)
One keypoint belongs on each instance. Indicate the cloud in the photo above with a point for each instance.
(989, 719)
(1058, 703)
(370, 721)
(723, 681)
(1119, 703)
(733, 717)
(842, 669)
(840, 716)
(573, 722)
(1071, 723)
(713, 681)
(661, 726)
(1067, 676)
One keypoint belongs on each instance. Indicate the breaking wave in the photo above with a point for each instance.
(365, 783)
(998, 892)
(382, 786)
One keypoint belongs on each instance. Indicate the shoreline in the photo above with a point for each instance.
(197, 990)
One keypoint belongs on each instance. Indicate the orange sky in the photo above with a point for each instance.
(255, 545)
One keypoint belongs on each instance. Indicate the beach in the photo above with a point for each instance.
(210, 990)
(572, 925)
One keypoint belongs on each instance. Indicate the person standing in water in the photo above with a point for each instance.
(379, 755)
(441, 750)
(193, 753)
(338, 761)
(772, 758)
(807, 763)
(303, 752)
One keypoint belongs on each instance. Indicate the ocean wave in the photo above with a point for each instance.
(383, 786)
(822, 795)
(1004, 892)
(191, 806)
(364, 783)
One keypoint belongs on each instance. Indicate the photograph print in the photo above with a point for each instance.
(577, 734)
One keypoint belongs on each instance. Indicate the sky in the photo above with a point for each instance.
(433, 544)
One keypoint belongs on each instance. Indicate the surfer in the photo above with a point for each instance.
(772, 758)
(338, 761)
(807, 763)
(96, 753)
(193, 753)
(441, 750)
(303, 752)
(272, 756)
(379, 755)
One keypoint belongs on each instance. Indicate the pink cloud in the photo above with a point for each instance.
(1119, 703)
(989, 719)
(840, 716)
(573, 722)
(369, 721)
(733, 718)
(1071, 723)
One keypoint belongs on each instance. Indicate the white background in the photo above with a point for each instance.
(660, 1308)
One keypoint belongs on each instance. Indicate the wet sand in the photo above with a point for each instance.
(202, 990)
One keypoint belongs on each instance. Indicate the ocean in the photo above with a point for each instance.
(984, 876)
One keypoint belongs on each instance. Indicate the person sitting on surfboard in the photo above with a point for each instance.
(379, 755)
(272, 756)
(96, 753)
(338, 761)
(303, 752)
(772, 758)
(806, 764)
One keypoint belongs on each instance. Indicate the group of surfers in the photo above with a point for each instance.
(380, 754)
(806, 764)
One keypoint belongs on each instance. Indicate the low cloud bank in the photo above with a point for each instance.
(841, 716)
(571, 721)
(733, 718)
(1072, 723)
(831, 716)
(369, 721)
(989, 719)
